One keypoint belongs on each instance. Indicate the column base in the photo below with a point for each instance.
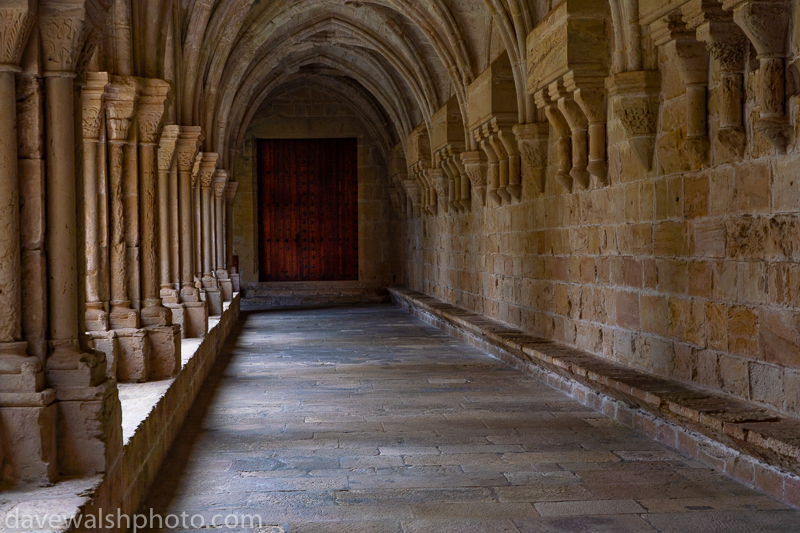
(190, 293)
(154, 314)
(29, 425)
(214, 301)
(226, 286)
(195, 319)
(96, 317)
(237, 282)
(210, 282)
(134, 355)
(68, 367)
(89, 429)
(122, 316)
(19, 372)
(106, 342)
(222, 274)
(165, 352)
(178, 311)
(170, 296)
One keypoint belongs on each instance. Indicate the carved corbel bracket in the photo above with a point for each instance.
(92, 103)
(590, 94)
(563, 134)
(462, 196)
(726, 43)
(579, 126)
(532, 141)
(681, 46)
(166, 147)
(438, 190)
(413, 196)
(635, 101)
(475, 168)
(16, 21)
(766, 24)
(208, 168)
(230, 193)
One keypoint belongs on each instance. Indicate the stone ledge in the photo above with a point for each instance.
(287, 295)
(152, 416)
(759, 447)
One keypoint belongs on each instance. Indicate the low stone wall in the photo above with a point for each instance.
(748, 443)
(153, 414)
(287, 295)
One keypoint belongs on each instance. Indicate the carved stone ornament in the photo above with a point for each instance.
(16, 22)
(187, 146)
(220, 183)
(230, 192)
(635, 97)
(532, 140)
(208, 168)
(152, 99)
(119, 102)
(166, 147)
(92, 101)
(63, 30)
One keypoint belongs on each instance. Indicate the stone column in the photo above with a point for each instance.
(197, 226)
(27, 412)
(220, 186)
(230, 198)
(150, 115)
(92, 99)
(208, 168)
(90, 419)
(166, 205)
(195, 319)
(119, 111)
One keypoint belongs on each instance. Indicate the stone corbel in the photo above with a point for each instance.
(492, 171)
(532, 142)
(579, 126)
(564, 135)
(463, 199)
(475, 169)
(438, 190)
(681, 46)
(726, 43)
(766, 24)
(413, 196)
(511, 176)
(590, 95)
(635, 101)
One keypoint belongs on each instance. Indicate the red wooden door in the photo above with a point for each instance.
(308, 209)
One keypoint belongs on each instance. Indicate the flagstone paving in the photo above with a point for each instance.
(356, 420)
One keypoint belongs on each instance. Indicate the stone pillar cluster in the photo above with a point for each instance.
(98, 278)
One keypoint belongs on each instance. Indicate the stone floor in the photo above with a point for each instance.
(365, 419)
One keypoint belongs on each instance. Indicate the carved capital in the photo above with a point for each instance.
(715, 27)
(16, 21)
(220, 183)
(635, 103)
(119, 103)
(152, 99)
(92, 103)
(63, 31)
(230, 192)
(166, 147)
(475, 164)
(208, 167)
(187, 146)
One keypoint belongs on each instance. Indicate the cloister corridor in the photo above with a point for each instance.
(365, 419)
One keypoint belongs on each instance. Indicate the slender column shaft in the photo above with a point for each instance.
(61, 212)
(10, 268)
(198, 231)
(206, 235)
(175, 226)
(102, 215)
(220, 230)
(186, 238)
(90, 147)
(148, 221)
(118, 259)
(212, 242)
(164, 227)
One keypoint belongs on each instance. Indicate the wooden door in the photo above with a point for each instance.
(308, 209)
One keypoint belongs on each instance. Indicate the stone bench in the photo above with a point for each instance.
(756, 446)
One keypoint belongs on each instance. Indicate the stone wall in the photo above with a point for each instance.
(690, 270)
(304, 113)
